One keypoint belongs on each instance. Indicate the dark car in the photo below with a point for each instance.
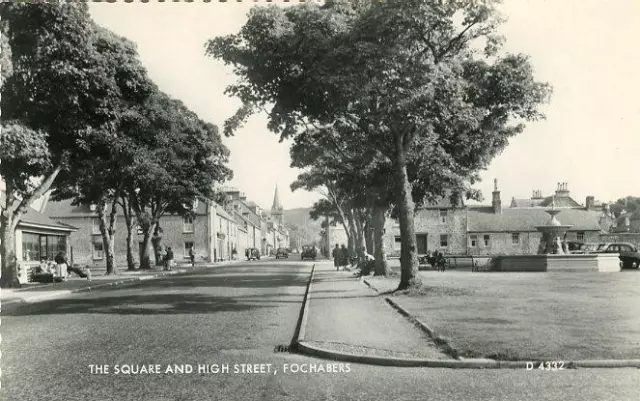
(282, 253)
(252, 254)
(308, 252)
(629, 255)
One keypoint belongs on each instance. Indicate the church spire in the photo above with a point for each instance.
(276, 201)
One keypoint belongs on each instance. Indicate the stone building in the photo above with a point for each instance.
(494, 230)
(211, 232)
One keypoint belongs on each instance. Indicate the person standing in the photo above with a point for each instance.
(61, 268)
(192, 256)
(169, 258)
(344, 256)
(336, 257)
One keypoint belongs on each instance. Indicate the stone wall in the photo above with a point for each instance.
(431, 223)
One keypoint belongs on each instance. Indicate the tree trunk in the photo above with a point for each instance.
(408, 256)
(360, 243)
(368, 232)
(129, 222)
(353, 235)
(107, 232)
(145, 259)
(378, 220)
(9, 277)
(156, 240)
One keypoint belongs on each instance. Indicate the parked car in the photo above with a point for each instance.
(282, 253)
(574, 246)
(587, 248)
(629, 255)
(308, 252)
(252, 254)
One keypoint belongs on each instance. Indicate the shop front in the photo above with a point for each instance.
(39, 239)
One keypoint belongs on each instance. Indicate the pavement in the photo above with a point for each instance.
(346, 319)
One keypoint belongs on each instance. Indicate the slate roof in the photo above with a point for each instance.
(482, 219)
(526, 202)
(64, 209)
(33, 216)
(561, 202)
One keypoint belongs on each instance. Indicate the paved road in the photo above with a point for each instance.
(231, 316)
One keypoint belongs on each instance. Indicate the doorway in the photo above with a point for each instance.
(421, 241)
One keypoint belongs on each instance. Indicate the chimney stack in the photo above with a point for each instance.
(590, 203)
(496, 203)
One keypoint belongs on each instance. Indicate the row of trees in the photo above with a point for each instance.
(390, 104)
(82, 118)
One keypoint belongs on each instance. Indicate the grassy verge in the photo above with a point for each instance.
(523, 316)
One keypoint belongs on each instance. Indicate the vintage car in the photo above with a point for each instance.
(282, 253)
(628, 254)
(252, 254)
(308, 252)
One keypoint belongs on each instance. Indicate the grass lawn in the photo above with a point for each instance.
(524, 316)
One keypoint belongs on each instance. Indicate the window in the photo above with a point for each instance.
(30, 247)
(443, 215)
(35, 247)
(98, 248)
(397, 245)
(187, 247)
(486, 240)
(96, 226)
(220, 221)
(187, 225)
(580, 236)
(444, 240)
(515, 239)
(473, 240)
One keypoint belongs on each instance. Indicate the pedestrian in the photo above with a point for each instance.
(163, 258)
(344, 253)
(192, 256)
(61, 268)
(336, 257)
(169, 258)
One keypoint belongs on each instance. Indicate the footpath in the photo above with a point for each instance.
(36, 292)
(345, 320)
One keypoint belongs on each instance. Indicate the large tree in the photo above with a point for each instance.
(177, 158)
(97, 179)
(408, 74)
(60, 90)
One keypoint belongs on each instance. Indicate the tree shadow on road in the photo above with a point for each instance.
(152, 304)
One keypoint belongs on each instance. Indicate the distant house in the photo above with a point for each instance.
(494, 230)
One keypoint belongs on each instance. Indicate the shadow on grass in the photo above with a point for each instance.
(165, 304)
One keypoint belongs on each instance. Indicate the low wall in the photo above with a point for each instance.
(557, 263)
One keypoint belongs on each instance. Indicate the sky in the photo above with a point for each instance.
(586, 49)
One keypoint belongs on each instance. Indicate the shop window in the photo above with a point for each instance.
(515, 238)
(30, 247)
(444, 240)
(187, 225)
(473, 241)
